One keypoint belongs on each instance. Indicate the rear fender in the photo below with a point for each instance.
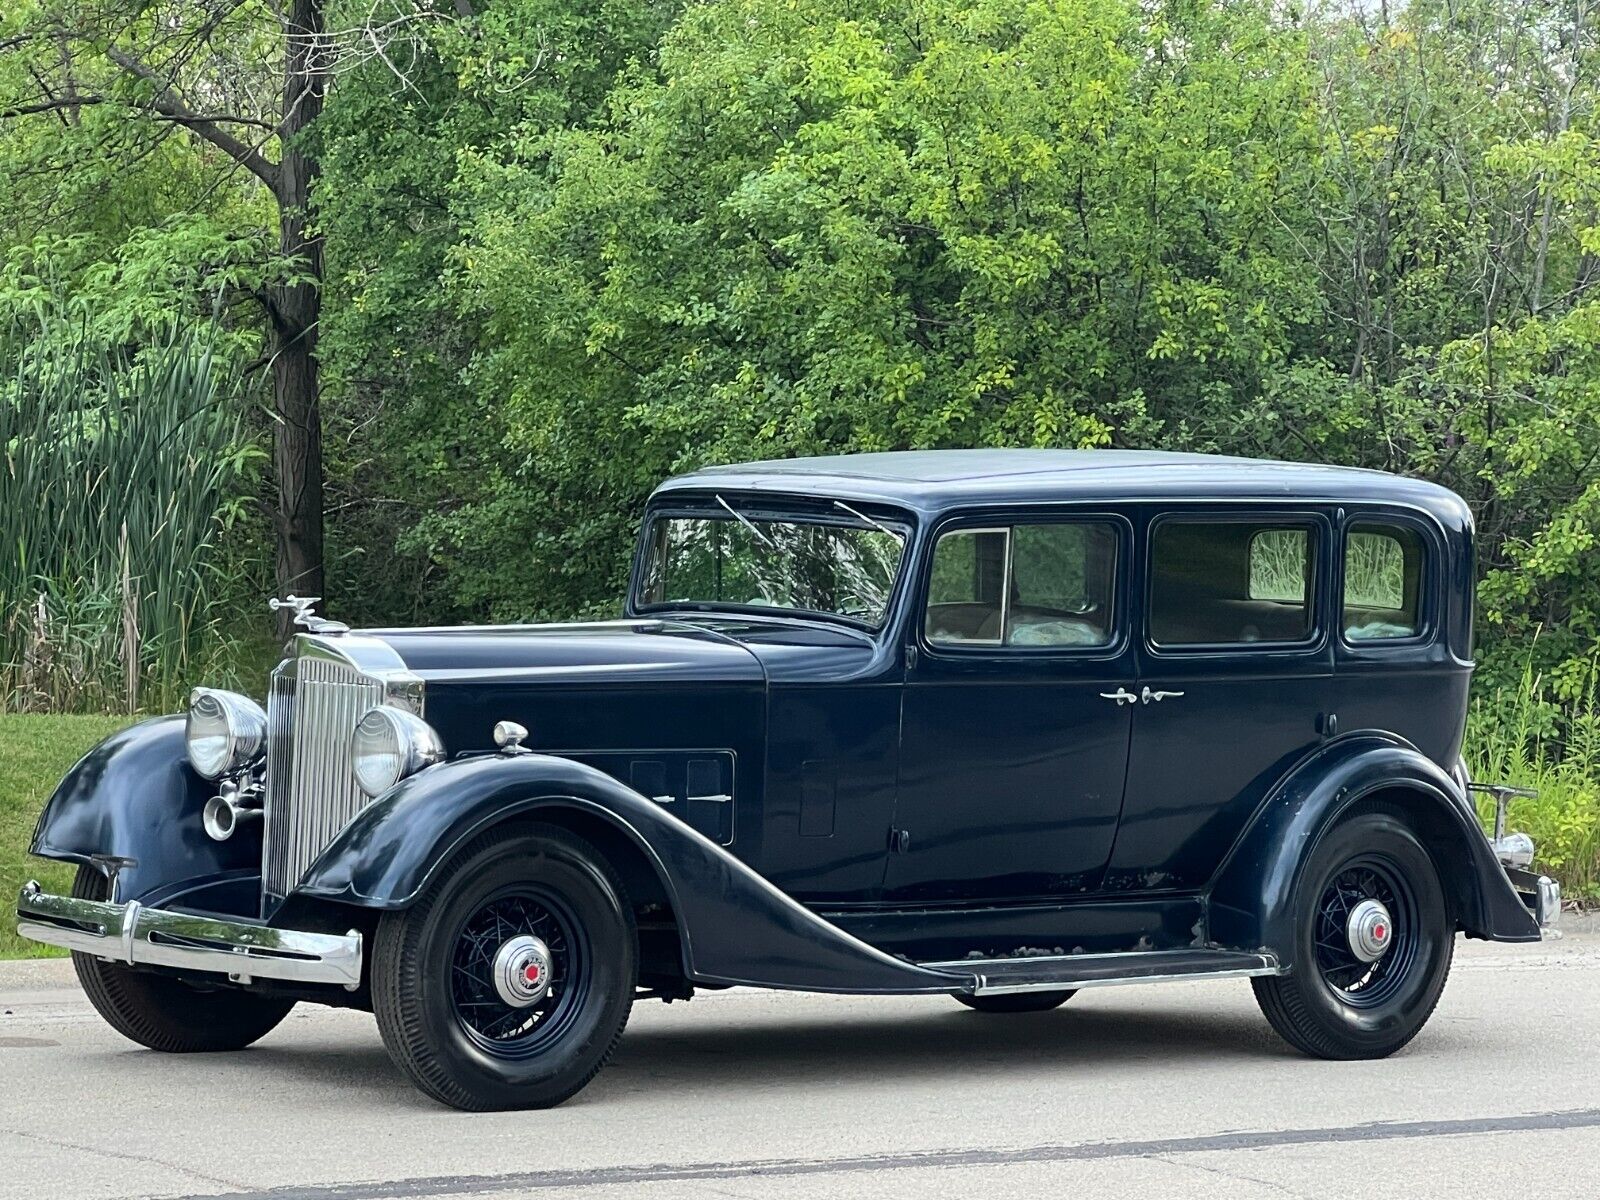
(1251, 899)
(135, 797)
(735, 927)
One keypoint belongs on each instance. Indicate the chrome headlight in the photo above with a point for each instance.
(224, 732)
(389, 744)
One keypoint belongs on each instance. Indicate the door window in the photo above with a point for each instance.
(1230, 582)
(1383, 570)
(1034, 585)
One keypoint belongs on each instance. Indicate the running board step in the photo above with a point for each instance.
(997, 976)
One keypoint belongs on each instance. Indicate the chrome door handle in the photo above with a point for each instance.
(1147, 695)
(714, 798)
(1120, 696)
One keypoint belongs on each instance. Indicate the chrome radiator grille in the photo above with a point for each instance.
(313, 706)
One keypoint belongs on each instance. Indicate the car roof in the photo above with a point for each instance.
(934, 480)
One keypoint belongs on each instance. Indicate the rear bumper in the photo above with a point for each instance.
(1541, 895)
(240, 950)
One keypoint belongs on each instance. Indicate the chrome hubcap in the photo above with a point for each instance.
(1369, 930)
(522, 971)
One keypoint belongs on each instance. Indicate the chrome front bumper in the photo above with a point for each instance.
(240, 950)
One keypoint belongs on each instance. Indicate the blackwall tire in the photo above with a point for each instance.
(167, 1014)
(1334, 1005)
(445, 1022)
(1017, 1002)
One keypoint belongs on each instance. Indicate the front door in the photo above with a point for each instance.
(1235, 672)
(1016, 712)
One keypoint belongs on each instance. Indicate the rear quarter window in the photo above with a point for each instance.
(1384, 571)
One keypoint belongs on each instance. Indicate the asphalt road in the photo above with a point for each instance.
(1178, 1090)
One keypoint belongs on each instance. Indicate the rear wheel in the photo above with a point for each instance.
(1374, 940)
(509, 982)
(164, 1013)
(1018, 1002)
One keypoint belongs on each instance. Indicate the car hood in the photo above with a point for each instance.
(608, 652)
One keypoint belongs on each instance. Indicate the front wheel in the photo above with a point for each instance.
(508, 983)
(1374, 939)
(165, 1013)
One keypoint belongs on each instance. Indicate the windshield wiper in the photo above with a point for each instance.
(748, 524)
(859, 515)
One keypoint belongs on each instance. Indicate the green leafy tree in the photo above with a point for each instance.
(821, 226)
(404, 166)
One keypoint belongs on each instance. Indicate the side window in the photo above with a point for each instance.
(964, 593)
(1063, 584)
(1030, 585)
(1383, 574)
(1229, 582)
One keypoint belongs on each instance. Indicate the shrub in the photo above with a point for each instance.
(1509, 741)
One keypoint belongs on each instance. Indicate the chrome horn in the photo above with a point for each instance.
(231, 807)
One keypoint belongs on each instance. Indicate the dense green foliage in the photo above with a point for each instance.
(120, 473)
(573, 247)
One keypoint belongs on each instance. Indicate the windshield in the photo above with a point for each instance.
(734, 561)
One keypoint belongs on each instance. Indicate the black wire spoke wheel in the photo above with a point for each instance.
(513, 1030)
(1358, 980)
(1373, 940)
(509, 981)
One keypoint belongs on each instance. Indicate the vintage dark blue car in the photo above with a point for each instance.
(995, 724)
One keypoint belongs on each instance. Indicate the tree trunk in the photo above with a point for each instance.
(295, 308)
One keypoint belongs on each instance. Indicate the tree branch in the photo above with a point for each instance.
(55, 104)
(219, 119)
(168, 104)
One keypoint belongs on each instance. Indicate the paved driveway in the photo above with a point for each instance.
(1179, 1090)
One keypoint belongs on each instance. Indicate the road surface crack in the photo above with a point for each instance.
(1235, 1176)
(126, 1156)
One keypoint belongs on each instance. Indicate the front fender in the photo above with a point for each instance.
(736, 928)
(1251, 899)
(134, 796)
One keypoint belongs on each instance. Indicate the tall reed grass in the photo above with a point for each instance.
(120, 468)
(1527, 737)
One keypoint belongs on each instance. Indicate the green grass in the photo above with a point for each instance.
(35, 752)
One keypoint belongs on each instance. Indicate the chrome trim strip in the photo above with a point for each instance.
(1078, 985)
(1266, 964)
(638, 624)
(138, 935)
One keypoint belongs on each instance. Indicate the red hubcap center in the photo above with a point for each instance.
(531, 972)
(1380, 932)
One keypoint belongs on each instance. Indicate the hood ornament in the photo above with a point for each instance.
(305, 617)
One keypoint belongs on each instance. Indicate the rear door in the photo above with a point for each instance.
(1013, 742)
(1235, 683)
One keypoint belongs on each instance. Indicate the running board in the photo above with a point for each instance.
(998, 976)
